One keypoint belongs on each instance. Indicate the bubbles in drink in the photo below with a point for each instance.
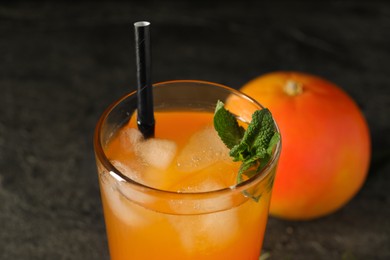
(218, 176)
(202, 185)
(203, 149)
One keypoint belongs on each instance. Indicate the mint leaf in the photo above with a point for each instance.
(266, 130)
(253, 146)
(227, 126)
(256, 139)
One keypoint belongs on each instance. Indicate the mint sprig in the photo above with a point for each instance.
(253, 146)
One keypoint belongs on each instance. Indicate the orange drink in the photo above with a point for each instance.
(176, 196)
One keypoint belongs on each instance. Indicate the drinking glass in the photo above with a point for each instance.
(145, 222)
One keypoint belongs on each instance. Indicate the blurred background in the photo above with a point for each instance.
(62, 64)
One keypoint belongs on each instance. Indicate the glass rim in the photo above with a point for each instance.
(119, 176)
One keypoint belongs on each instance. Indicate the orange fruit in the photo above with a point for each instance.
(325, 143)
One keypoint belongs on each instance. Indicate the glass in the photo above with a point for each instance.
(144, 222)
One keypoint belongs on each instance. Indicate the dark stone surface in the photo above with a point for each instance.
(62, 64)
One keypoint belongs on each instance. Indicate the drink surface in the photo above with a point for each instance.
(186, 155)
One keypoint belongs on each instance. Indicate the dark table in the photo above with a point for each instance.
(62, 64)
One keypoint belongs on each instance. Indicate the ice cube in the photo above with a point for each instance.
(203, 149)
(220, 226)
(128, 169)
(113, 190)
(130, 138)
(154, 151)
(208, 231)
(157, 152)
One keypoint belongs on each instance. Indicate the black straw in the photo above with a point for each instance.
(145, 115)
